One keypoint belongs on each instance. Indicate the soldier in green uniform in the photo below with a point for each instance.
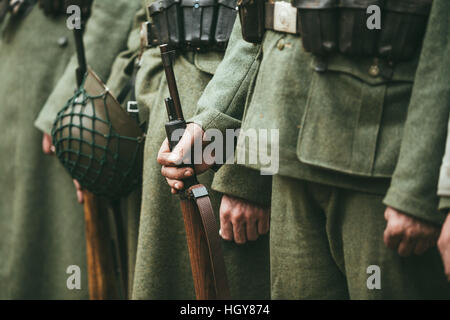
(339, 96)
(248, 269)
(42, 228)
(116, 23)
(162, 265)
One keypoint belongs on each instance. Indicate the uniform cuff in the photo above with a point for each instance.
(444, 204)
(425, 210)
(241, 182)
(210, 118)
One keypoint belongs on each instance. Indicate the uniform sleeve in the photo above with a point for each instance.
(105, 37)
(444, 178)
(413, 188)
(245, 183)
(222, 104)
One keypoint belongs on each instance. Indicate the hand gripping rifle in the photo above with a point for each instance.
(202, 233)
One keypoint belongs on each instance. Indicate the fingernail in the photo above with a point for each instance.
(188, 173)
(177, 186)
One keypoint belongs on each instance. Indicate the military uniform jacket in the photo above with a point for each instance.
(343, 127)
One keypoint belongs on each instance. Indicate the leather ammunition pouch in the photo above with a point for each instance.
(192, 24)
(403, 29)
(59, 7)
(252, 17)
(329, 26)
(318, 20)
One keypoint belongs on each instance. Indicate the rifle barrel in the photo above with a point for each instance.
(167, 55)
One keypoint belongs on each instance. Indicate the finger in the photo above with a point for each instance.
(422, 246)
(391, 239)
(264, 224)
(163, 153)
(387, 213)
(176, 173)
(407, 246)
(77, 185)
(177, 185)
(252, 231)
(80, 197)
(226, 231)
(226, 227)
(239, 232)
(47, 146)
(79, 191)
(170, 158)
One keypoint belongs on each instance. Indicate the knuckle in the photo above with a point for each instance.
(225, 214)
(237, 217)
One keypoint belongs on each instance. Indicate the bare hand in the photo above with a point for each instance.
(408, 235)
(444, 246)
(172, 161)
(80, 197)
(47, 145)
(241, 220)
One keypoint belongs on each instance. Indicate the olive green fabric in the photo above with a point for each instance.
(105, 37)
(324, 239)
(444, 203)
(241, 182)
(42, 226)
(342, 127)
(414, 183)
(162, 266)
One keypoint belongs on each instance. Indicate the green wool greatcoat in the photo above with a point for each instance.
(348, 143)
(42, 228)
(162, 266)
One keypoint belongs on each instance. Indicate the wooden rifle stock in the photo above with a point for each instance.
(100, 254)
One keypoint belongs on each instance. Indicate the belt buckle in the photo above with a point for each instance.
(285, 17)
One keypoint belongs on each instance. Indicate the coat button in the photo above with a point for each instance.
(374, 71)
(280, 44)
(62, 42)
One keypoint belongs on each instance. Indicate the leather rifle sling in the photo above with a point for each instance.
(199, 194)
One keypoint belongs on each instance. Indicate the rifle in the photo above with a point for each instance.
(202, 233)
(103, 227)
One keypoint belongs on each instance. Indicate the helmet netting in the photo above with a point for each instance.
(103, 161)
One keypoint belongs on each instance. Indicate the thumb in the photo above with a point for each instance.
(47, 145)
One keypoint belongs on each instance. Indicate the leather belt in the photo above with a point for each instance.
(282, 17)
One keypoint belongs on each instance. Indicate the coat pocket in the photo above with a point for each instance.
(347, 119)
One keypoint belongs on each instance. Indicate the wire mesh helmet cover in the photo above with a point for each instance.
(97, 141)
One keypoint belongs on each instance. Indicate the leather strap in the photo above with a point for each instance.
(200, 195)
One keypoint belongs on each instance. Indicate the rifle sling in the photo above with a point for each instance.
(200, 196)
